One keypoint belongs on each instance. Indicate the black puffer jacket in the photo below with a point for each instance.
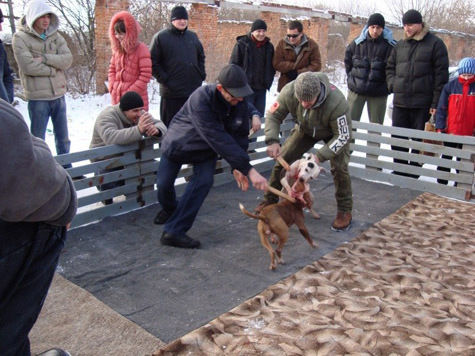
(417, 70)
(365, 65)
(245, 53)
(178, 62)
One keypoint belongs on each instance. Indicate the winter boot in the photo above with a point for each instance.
(342, 221)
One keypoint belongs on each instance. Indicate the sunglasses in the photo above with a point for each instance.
(293, 36)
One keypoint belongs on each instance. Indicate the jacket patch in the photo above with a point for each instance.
(343, 135)
(274, 107)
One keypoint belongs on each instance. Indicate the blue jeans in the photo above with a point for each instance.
(29, 254)
(186, 209)
(258, 99)
(40, 112)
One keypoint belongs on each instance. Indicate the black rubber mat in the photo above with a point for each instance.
(170, 291)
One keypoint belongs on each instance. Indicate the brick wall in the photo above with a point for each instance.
(218, 37)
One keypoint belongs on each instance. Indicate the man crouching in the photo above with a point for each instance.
(214, 121)
(320, 110)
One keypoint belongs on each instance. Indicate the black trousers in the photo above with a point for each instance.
(169, 107)
(447, 169)
(410, 119)
(29, 254)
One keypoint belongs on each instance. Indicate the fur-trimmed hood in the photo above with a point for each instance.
(132, 29)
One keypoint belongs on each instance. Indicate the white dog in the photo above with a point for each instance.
(302, 170)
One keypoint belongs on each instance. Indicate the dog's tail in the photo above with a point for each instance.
(248, 213)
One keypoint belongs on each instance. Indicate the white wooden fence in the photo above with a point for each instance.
(372, 159)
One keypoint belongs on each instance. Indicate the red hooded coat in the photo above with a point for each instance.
(130, 66)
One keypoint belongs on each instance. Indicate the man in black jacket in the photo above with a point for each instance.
(365, 64)
(214, 121)
(178, 63)
(416, 72)
(253, 52)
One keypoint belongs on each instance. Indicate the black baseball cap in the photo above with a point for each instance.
(234, 80)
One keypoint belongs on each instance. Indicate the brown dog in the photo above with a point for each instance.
(276, 219)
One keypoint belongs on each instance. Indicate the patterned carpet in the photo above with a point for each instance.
(406, 286)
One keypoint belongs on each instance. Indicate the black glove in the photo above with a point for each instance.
(292, 75)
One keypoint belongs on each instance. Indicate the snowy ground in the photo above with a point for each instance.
(83, 110)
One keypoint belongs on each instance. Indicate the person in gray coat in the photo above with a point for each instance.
(124, 124)
(43, 55)
(37, 203)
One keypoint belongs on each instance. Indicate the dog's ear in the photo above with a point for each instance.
(307, 156)
(319, 170)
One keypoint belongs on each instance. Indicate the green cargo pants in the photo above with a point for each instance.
(294, 147)
(376, 109)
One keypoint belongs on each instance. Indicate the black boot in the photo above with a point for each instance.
(183, 241)
(161, 217)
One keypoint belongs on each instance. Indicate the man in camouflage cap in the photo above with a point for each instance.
(320, 110)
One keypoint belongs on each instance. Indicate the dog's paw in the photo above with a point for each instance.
(273, 239)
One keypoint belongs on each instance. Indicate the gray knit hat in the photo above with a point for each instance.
(307, 86)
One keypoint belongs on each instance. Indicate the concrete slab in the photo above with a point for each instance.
(170, 292)
(74, 320)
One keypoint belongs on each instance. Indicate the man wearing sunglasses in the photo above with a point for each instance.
(214, 121)
(295, 54)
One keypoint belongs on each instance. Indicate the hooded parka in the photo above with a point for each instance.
(130, 66)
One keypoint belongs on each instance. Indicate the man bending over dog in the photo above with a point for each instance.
(214, 121)
(320, 110)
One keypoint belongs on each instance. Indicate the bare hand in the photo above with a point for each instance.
(145, 121)
(151, 131)
(273, 150)
(38, 59)
(256, 123)
(241, 180)
(258, 181)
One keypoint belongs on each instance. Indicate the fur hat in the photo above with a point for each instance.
(466, 66)
(307, 86)
(258, 25)
(411, 16)
(179, 13)
(376, 19)
(234, 80)
(131, 100)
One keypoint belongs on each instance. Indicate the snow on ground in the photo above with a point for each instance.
(83, 110)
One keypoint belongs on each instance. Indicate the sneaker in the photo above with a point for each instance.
(183, 241)
(261, 206)
(54, 352)
(161, 217)
(342, 221)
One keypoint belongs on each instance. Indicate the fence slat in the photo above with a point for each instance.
(372, 159)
